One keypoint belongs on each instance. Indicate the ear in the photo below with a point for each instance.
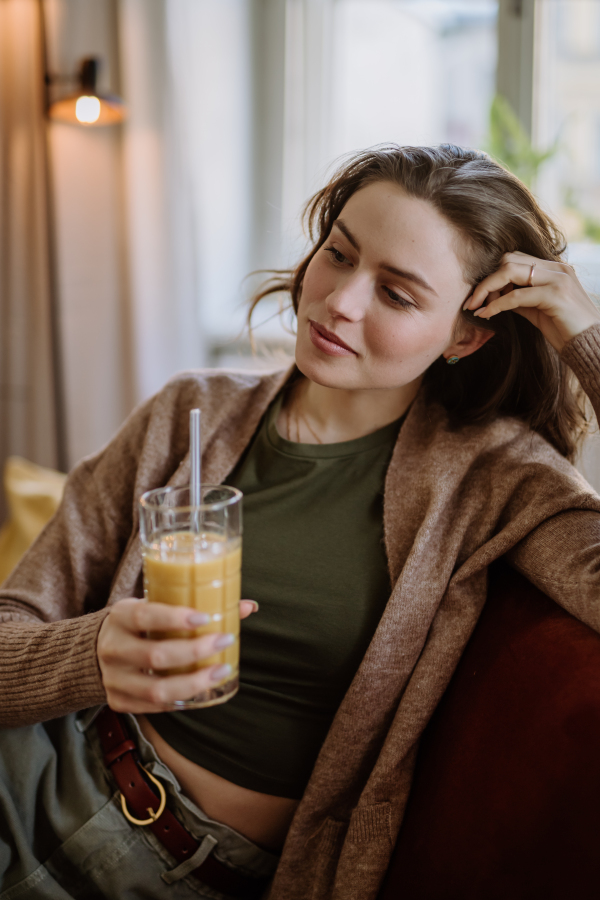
(471, 339)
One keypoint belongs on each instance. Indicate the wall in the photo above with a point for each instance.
(87, 188)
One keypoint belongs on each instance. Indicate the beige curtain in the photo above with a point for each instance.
(27, 362)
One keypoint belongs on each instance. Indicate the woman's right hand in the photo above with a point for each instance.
(125, 655)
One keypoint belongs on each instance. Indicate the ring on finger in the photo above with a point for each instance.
(531, 271)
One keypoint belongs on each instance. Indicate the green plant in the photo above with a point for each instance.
(510, 144)
(589, 226)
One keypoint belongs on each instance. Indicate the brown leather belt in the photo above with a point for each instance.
(143, 807)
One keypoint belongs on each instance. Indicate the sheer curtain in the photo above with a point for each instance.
(160, 221)
(28, 423)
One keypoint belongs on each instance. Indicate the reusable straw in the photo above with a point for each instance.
(195, 462)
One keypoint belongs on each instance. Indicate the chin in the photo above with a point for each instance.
(326, 372)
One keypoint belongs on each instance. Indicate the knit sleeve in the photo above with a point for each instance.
(562, 558)
(582, 355)
(53, 603)
(562, 555)
(49, 670)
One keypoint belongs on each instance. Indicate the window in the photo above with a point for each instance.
(358, 73)
(326, 77)
(567, 123)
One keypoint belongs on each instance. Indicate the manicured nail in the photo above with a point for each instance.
(224, 640)
(253, 602)
(220, 673)
(198, 618)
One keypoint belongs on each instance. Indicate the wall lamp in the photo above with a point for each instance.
(86, 106)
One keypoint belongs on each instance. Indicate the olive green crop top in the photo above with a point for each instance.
(313, 558)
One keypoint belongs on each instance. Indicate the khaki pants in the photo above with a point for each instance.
(63, 835)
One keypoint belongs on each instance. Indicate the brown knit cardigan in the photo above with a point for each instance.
(454, 502)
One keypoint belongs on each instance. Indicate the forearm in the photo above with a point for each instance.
(48, 670)
(582, 355)
(562, 557)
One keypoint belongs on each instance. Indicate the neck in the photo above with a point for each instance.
(314, 414)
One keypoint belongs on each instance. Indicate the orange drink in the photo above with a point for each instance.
(192, 557)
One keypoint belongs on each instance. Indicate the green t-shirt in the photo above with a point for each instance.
(313, 558)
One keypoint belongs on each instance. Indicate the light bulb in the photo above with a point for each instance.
(87, 110)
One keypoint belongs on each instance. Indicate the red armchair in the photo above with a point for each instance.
(506, 800)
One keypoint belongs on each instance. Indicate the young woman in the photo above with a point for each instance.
(426, 430)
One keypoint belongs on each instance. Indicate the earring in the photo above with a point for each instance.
(452, 360)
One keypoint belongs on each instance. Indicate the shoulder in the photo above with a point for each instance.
(219, 393)
(155, 434)
(505, 450)
(481, 478)
(232, 403)
(217, 386)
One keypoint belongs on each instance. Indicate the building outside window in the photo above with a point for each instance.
(567, 122)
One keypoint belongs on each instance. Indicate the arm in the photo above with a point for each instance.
(562, 555)
(61, 650)
(52, 605)
(48, 670)
(562, 558)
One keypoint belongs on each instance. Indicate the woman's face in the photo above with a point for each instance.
(381, 297)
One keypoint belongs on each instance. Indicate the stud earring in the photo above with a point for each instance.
(452, 360)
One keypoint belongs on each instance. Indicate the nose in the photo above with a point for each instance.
(350, 299)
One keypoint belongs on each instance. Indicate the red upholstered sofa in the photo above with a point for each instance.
(506, 800)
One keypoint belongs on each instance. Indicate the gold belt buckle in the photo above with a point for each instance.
(154, 814)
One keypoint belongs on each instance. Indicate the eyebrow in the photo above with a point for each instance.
(401, 273)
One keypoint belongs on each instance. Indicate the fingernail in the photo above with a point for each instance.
(224, 640)
(198, 618)
(254, 605)
(220, 673)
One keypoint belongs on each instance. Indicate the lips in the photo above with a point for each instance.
(329, 342)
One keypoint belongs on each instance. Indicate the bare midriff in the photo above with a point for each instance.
(262, 818)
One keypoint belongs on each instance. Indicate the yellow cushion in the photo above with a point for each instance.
(33, 494)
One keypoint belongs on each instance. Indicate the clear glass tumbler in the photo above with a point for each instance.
(192, 557)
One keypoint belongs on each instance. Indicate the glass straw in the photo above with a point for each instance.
(195, 465)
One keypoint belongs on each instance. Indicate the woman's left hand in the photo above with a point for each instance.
(548, 295)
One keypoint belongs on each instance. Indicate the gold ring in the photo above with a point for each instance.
(530, 282)
(154, 814)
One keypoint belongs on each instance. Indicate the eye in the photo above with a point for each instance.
(337, 257)
(397, 300)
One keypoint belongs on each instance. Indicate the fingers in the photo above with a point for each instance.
(143, 693)
(513, 300)
(132, 665)
(137, 653)
(527, 259)
(553, 300)
(247, 607)
(139, 616)
(515, 274)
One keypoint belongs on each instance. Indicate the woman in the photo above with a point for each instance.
(374, 468)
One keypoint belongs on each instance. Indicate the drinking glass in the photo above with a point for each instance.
(192, 557)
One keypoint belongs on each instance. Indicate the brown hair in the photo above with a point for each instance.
(516, 372)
